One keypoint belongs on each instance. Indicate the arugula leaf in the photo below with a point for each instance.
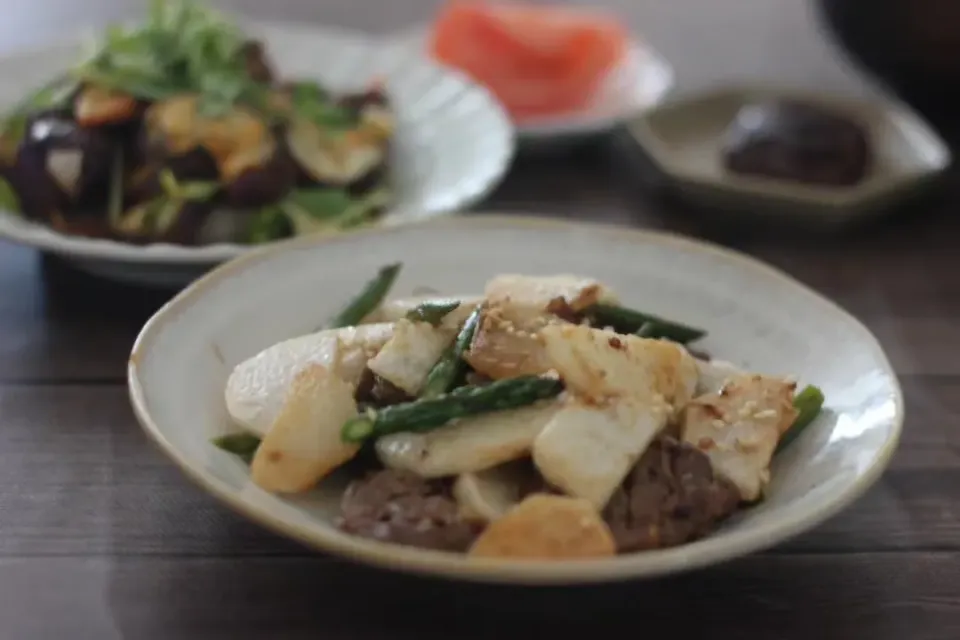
(182, 47)
(9, 200)
(312, 102)
(362, 209)
(270, 223)
(320, 203)
(324, 210)
(194, 190)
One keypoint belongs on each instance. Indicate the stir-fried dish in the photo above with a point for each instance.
(542, 419)
(179, 130)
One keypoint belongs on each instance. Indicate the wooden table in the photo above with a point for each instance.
(101, 537)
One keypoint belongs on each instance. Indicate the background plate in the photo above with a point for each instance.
(454, 141)
(641, 81)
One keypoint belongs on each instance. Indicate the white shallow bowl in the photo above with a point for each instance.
(454, 142)
(642, 80)
(756, 316)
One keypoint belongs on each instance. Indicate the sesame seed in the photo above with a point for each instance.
(766, 413)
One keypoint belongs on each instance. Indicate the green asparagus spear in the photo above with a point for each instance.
(448, 368)
(427, 414)
(625, 320)
(243, 445)
(808, 402)
(432, 312)
(368, 299)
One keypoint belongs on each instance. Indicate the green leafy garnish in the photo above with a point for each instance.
(325, 210)
(155, 216)
(193, 191)
(270, 223)
(9, 200)
(320, 203)
(182, 48)
(159, 214)
(311, 102)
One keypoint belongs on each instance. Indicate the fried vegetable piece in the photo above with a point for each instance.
(588, 449)
(739, 426)
(303, 444)
(547, 527)
(472, 444)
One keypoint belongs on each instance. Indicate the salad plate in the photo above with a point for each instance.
(451, 143)
(234, 353)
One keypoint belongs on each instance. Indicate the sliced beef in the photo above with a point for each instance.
(671, 497)
(400, 507)
(375, 391)
(562, 309)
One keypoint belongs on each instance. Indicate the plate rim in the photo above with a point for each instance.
(32, 234)
(706, 552)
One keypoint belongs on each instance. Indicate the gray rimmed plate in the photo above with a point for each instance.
(757, 317)
(684, 139)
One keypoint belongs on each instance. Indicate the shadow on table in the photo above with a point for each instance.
(313, 597)
(73, 293)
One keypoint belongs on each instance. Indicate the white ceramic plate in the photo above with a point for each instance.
(756, 316)
(454, 142)
(641, 81)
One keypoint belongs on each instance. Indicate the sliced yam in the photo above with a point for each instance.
(393, 310)
(738, 428)
(540, 291)
(470, 444)
(597, 363)
(507, 343)
(713, 375)
(587, 450)
(485, 496)
(411, 352)
(303, 444)
(547, 527)
(257, 387)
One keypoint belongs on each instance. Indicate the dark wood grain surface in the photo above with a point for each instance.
(101, 537)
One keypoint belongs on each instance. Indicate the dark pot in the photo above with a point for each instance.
(912, 46)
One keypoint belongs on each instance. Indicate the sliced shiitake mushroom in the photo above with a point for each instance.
(258, 186)
(236, 140)
(335, 159)
(61, 165)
